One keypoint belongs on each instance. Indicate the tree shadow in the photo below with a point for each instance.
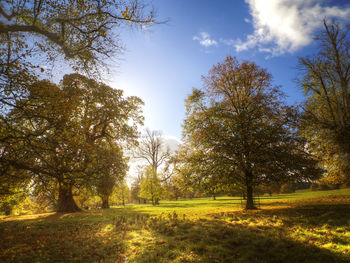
(313, 215)
(129, 235)
(221, 241)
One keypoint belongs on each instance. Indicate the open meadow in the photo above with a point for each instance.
(301, 227)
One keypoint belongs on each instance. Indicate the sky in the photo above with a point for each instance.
(162, 63)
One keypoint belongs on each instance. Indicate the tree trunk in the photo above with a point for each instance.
(249, 185)
(214, 197)
(66, 203)
(105, 202)
(156, 201)
(7, 209)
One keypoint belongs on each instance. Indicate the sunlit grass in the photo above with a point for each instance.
(287, 228)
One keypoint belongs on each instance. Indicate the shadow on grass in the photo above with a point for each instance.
(313, 215)
(220, 241)
(127, 235)
(77, 237)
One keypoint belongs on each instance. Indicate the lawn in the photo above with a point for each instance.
(300, 227)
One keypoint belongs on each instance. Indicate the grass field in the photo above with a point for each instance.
(300, 227)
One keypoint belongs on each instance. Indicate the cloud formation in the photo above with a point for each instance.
(172, 142)
(284, 26)
(204, 39)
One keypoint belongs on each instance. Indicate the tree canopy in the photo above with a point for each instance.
(242, 129)
(85, 32)
(72, 133)
(325, 78)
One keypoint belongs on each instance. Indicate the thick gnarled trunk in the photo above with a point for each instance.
(66, 203)
(249, 185)
(105, 202)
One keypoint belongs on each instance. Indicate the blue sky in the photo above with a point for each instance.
(162, 64)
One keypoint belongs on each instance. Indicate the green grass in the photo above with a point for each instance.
(301, 227)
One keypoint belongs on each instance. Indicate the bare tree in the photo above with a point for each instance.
(153, 150)
(155, 153)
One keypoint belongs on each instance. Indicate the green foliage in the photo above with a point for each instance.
(121, 194)
(287, 188)
(239, 132)
(84, 32)
(150, 187)
(72, 134)
(326, 82)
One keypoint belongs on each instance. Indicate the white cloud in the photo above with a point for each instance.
(205, 40)
(284, 26)
(172, 142)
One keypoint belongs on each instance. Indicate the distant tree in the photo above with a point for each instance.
(326, 82)
(110, 168)
(135, 190)
(9, 201)
(121, 193)
(150, 187)
(172, 188)
(153, 151)
(270, 188)
(287, 188)
(62, 132)
(240, 122)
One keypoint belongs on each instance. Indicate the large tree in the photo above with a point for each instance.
(240, 122)
(65, 132)
(326, 82)
(37, 36)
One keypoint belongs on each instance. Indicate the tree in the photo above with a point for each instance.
(65, 132)
(135, 186)
(121, 193)
(110, 168)
(85, 32)
(153, 151)
(150, 187)
(239, 123)
(326, 82)
(200, 170)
